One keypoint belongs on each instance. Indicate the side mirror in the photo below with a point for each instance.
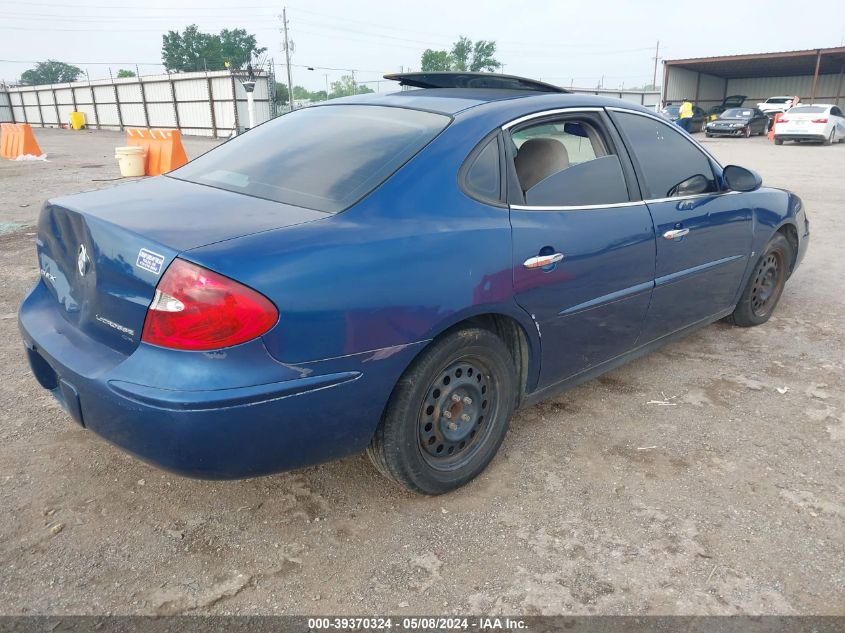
(741, 179)
(690, 187)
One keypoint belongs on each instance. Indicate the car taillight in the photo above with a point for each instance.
(782, 121)
(197, 309)
(819, 120)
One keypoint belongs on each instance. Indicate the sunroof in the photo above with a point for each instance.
(471, 80)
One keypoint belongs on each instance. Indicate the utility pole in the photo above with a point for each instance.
(656, 57)
(287, 55)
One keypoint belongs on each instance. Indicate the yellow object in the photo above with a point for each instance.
(686, 110)
(77, 120)
(131, 161)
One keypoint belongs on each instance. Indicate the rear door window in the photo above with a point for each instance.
(325, 158)
(671, 165)
(567, 163)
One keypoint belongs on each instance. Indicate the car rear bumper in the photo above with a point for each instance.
(819, 138)
(228, 414)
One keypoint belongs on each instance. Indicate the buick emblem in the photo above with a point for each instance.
(82, 261)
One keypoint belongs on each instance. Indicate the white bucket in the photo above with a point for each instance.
(131, 160)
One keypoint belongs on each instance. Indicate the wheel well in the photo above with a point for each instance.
(791, 234)
(512, 334)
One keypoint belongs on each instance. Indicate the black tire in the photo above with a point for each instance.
(747, 133)
(415, 444)
(778, 141)
(708, 135)
(765, 286)
(829, 139)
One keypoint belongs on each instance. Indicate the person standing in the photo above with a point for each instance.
(685, 114)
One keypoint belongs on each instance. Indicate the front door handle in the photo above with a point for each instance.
(541, 261)
(675, 234)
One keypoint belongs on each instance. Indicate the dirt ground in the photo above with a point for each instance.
(731, 500)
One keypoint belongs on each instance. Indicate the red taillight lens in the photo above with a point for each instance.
(782, 121)
(819, 120)
(197, 309)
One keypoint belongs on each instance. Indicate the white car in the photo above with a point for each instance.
(775, 104)
(820, 122)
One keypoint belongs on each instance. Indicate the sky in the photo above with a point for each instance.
(566, 43)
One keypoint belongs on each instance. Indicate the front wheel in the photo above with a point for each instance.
(448, 414)
(765, 286)
(747, 132)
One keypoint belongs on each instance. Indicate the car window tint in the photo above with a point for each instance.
(567, 163)
(483, 178)
(667, 159)
(808, 110)
(836, 111)
(324, 158)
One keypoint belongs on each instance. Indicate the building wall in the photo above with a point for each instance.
(759, 89)
(681, 83)
(649, 99)
(202, 104)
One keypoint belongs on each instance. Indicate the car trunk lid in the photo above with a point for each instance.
(102, 253)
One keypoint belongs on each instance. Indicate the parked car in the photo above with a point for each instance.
(733, 101)
(738, 122)
(821, 122)
(396, 273)
(697, 121)
(773, 105)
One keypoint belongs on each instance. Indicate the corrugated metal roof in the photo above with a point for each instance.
(777, 64)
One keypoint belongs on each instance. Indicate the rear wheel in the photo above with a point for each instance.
(778, 141)
(448, 414)
(829, 139)
(765, 286)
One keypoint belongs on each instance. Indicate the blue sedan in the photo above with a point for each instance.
(393, 273)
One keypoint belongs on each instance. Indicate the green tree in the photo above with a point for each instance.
(194, 50)
(433, 61)
(50, 72)
(347, 86)
(281, 93)
(122, 73)
(483, 56)
(465, 55)
(461, 51)
(238, 47)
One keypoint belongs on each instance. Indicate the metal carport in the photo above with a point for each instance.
(815, 75)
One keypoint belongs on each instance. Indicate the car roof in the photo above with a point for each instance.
(453, 101)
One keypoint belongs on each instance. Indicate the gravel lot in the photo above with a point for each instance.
(730, 501)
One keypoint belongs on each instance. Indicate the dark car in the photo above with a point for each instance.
(732, 101)
(696, 122)
(393, 273)
(738, 122)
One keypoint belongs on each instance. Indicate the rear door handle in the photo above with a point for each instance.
(541, 261)
(675, 234)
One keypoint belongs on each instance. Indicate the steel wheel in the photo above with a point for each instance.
(448, 414)
(451, 422)
(769, 279)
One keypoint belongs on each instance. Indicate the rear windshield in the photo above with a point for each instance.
(737, 113)
(778, 99)
(807, 110)
(325, 158)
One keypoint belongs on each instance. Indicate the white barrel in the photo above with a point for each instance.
(131, 160)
